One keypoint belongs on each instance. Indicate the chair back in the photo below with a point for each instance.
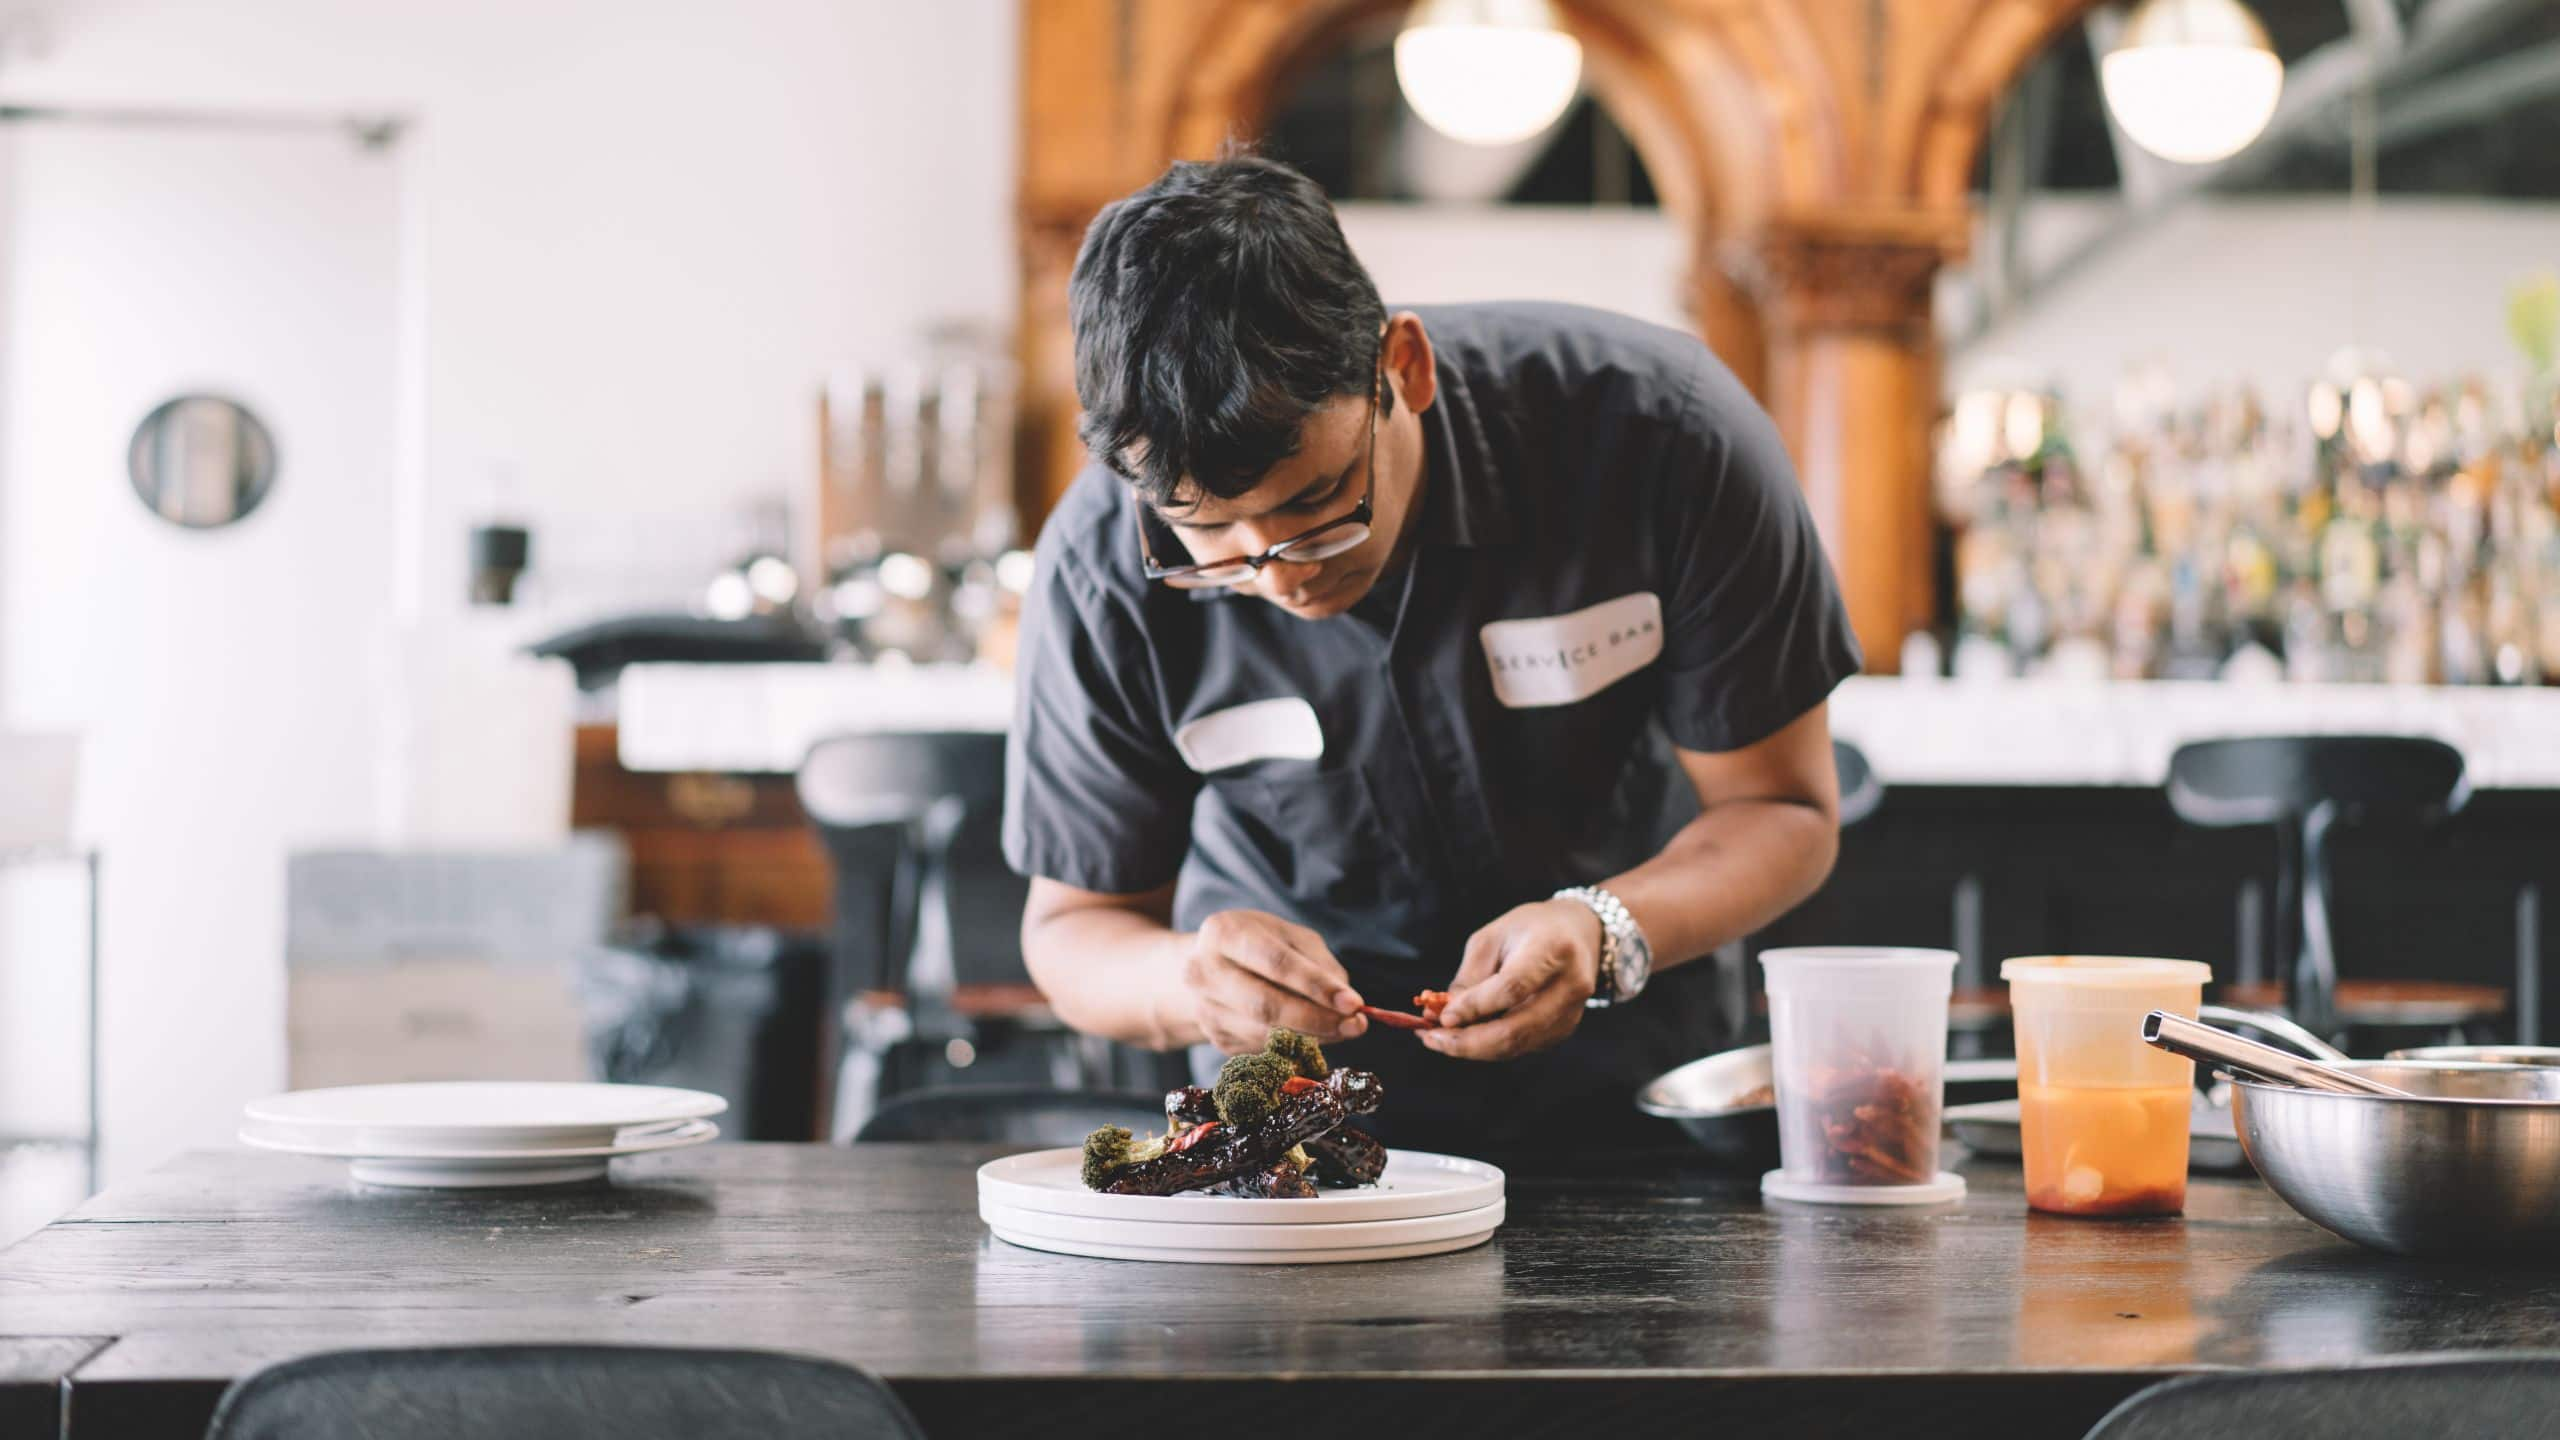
(560, 1392)
(912, 825)
(1860, 791)
(2263, 780)
(1012, 1115)
(2456, 1395)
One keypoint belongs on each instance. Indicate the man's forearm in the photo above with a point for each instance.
(1735, 868)
(1113, 972)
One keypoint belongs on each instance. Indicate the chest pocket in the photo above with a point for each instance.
(1319, 834)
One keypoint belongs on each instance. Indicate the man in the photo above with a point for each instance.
(1481, 648)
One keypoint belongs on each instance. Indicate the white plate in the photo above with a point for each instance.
(429, 1167)
(1103, 1250)
(1279, 1241)
(486, 1114)
(1416, 1183)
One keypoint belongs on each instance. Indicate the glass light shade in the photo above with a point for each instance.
(2192, 80)
(1488, 72)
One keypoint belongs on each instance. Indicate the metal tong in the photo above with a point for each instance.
(2197, 1041)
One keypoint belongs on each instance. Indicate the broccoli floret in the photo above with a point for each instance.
(1105, 1150)
(1303, 1054)
(1111, 1148)
(1248, 1087)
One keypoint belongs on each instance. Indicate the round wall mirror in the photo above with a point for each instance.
(201, 461)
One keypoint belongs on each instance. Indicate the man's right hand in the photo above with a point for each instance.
(1247, 971)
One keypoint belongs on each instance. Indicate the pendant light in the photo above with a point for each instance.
(1488, 72)
(2192, 80)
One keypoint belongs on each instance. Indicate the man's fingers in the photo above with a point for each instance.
(1269, 952)
(1532, 1027)
(1482, 959)
(1255, 1004)
(1522, 977)
(1483, 956)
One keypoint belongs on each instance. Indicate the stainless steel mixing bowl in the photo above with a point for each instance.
(2470, 1166)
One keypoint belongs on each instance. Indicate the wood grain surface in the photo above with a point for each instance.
(1648, 1293)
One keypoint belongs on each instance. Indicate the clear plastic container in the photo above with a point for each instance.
(2103, 1117)
(1858, 1046)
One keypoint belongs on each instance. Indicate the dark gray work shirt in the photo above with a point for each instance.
(1613, 560)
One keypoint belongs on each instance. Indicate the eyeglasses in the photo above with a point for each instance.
(1340, 535)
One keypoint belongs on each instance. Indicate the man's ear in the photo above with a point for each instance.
(1412, 373)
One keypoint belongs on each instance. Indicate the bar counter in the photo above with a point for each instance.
(762, 719)
(1650, 1294)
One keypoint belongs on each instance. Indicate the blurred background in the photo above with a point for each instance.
(511, 514)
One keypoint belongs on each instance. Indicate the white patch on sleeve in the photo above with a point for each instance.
(1559, 659)
(1283, 729)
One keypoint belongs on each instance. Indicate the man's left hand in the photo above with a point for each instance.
(1521, 985)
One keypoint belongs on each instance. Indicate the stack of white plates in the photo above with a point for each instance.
(1423, 1205)
(472, 1133)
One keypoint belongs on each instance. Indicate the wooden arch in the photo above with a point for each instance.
(1819, 153)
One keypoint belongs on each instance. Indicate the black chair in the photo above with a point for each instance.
(928, 930)
(1860, 791)
(893, 811)
(2303, 786)
(1011, 1114)
(560, 1392)
(2504, 1395)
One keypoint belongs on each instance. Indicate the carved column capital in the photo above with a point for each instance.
(1850, 271)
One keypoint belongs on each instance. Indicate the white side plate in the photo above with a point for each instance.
(439, 1168)
(1417, 1183)
(485, 1114)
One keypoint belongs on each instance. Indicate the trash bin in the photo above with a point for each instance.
(735, 1010)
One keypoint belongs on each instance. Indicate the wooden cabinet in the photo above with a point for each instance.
(705, 849)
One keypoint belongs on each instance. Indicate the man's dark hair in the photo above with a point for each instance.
(1214, 310)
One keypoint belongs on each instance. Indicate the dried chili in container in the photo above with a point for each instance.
(1858, 1041)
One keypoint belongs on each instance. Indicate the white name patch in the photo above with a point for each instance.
(1283, 729)
(1558, 659)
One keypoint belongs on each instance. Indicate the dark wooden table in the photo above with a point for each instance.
(1652, 1297)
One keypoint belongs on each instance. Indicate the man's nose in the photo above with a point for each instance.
(1282, 579)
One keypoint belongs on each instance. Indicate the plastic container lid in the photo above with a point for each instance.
(1857, 957)
(2107, 971)
(1947, 1186)
(1874, 965)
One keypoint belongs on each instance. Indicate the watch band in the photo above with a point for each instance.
(1626, 960)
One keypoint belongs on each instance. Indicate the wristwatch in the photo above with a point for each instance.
(1626, 958)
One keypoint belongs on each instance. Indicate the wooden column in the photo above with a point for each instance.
(1853, 382)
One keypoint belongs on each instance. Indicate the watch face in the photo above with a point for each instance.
(1635, 966)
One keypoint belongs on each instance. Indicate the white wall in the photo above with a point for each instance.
(218, 677)
(634, 237)
(648, 227)
(2264, 291)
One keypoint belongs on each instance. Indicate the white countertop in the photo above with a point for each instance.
(763, 718)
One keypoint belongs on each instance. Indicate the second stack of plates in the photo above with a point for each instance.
(474, 1134)
(1424, 1204)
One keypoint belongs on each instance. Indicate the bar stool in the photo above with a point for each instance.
(1860, 793)
(2303, 785)
(928, 921)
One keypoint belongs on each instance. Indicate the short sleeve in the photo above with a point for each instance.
(1755, 633)
(1095, 795)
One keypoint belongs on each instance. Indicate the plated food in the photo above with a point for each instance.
(1273, 1128)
